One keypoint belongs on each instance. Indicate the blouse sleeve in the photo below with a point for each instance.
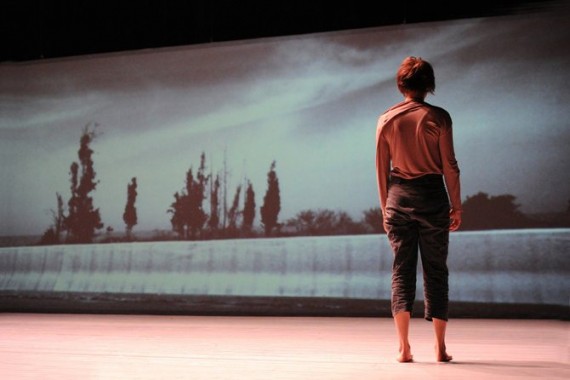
(450, 168)
(382, 167)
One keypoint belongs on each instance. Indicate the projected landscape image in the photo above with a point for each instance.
(275, 137)
(239, 177)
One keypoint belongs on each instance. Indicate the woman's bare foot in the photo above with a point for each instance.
(442, 356)
(405, 355)
(405, 358)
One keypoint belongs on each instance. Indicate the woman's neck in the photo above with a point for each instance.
(418, 96)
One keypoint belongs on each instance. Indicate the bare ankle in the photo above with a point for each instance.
(404, 353)
(441, 354)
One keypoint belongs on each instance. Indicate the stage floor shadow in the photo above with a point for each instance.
(86, 346)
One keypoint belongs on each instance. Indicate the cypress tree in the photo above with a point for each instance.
(130, 214)
(271, 202)
(248, 209)
(83, 218)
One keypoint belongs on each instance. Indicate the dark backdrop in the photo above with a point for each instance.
(33, 29)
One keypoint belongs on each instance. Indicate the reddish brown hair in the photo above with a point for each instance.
(415, 75)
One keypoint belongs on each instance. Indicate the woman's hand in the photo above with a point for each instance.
(455, 216)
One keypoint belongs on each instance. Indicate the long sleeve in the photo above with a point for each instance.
(382, 167)
(450, 169)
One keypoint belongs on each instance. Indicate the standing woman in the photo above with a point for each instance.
(420, 199)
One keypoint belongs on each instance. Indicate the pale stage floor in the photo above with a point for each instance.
(108, 347)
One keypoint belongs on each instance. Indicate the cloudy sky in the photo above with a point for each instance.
(308, 102)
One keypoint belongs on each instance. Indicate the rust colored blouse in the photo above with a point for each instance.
(414, 138)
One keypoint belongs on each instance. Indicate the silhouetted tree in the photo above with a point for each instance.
(248, 209)
(373, 219)
(177, 211)
(130, 214)
(234, 213)
(83, 219)
(304, 222)
(324, 222)
(225, 181)
(197, 195)
(481, 212)
(49, 237)
(188, 215)
(214, 220)
(187, 207)
(53, 234)
(58, 218)
(271, 202)
(345, 225)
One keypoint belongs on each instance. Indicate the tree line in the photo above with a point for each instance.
(189, 218)
(80, 221)
(192, 221)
